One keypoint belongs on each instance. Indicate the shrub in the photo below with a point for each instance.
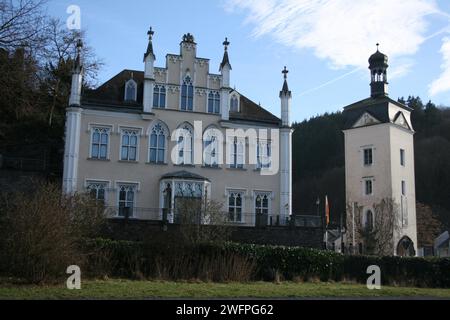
(41, 231)
(243, 262)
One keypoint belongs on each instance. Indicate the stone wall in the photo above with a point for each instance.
(134, 230)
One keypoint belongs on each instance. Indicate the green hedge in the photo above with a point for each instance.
(271, 262)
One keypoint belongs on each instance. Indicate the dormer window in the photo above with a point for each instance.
(234, 104)
(187, 94)
(131, 91)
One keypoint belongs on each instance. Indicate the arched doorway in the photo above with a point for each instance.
(405, 248)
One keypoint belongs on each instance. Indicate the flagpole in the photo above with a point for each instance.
(353, 227)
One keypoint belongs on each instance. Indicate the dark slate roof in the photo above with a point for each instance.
(184, 175)
(378, 58)
(112, 92)
(377, 107)
(285, 87)
(225, 60)
(110, 95)
(250, 111)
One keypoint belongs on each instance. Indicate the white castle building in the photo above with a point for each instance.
(379, 161)
(143, 140)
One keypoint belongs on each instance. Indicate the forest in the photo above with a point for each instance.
(318, 161)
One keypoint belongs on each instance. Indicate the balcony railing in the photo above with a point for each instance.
(245, 219)
(173, 217)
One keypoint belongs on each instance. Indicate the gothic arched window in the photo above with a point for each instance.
(187, 94)
(158, 142)
(234, 104)
(129, 148)
(237, 153)
(185, 144)
(159, 97)
(214, 102)
(212, 148)
(131, 90)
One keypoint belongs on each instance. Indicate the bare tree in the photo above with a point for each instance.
(377, 238)
(22, 23)
(57, 58)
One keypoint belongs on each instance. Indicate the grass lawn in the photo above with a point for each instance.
(125, 289)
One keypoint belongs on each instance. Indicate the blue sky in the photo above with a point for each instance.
(324, 43)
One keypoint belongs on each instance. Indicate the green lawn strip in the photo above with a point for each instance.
(125, 289)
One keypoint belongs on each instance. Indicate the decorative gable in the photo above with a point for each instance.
(401, 121)
(366, 120)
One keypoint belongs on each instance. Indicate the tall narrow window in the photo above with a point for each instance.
(211, 151)
(235, 205)
(187, 95)
(402, 157)
(262, 204)
(214, 102)
(185, 145)
(157, 144)
(368, 187)
(263, 154)
(403, 188)
(159, 97)
(126, 200)
(130, 90)
(368, 157)
(237, 154)
(234, 104)
(129, 145)
(99, 145)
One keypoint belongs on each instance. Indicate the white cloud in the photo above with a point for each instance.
(342, 32)
(442, 84)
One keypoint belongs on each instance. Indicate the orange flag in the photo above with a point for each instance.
(327, 210)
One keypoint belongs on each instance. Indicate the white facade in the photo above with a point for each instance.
(379, 162)
(139, 141)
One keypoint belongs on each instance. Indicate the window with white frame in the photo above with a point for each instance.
(263, 154)
(158, 141)
(368, 156)
(235, 206)
(159, 97)
(262, 203)
(97, 191)
(185, 143)
(99, 143)
(234, 104)
(211, 151)
(187, 95)
(214, 102)
(127, 197)
(368, 187)
(129, 148)
(402, 157)
(131, 90)
(237, 153)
